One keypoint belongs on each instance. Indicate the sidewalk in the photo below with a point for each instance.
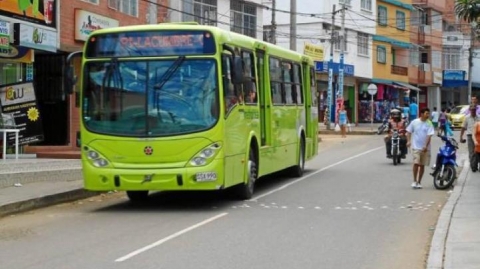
(456, 241)
(359, 129)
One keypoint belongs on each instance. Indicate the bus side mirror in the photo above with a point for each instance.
(70, 78)
(237, 72)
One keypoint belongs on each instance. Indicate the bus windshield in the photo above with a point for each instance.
(150, 98)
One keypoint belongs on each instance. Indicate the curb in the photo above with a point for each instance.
(332, 132)
(438, 246)
(44, 201)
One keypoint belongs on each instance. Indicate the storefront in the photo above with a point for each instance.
(321, 69)
(390, 94)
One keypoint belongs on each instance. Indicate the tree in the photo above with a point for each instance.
(468, 10)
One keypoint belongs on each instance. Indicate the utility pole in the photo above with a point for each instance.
(341, 72)
(470, 61)
(330, 71)
(273, 31)
(293, 25)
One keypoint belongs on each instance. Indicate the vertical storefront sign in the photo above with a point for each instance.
(18, 102)
(4, 34)
(42, 12)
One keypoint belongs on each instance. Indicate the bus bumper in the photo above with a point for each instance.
(208, 177)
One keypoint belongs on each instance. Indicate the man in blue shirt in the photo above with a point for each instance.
(413, 110)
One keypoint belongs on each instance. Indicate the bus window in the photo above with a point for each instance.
(229, 95)
(297, 91)
(287, 80)
(276, 81)
(249, 87)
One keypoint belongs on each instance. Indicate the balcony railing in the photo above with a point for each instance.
(399, 70)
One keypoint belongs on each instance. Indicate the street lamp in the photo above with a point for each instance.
(372, 90)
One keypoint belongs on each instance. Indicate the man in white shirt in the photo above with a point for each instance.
(467, 127)
(419, 135)
(435, 117)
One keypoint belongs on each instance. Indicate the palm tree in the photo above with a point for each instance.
(468, 10)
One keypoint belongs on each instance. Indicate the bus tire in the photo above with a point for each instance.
(137, 196)
(246, 189)
(299, 168)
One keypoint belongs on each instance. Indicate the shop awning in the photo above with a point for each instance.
(406, 85)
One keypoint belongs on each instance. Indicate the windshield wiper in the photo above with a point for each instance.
(113, 79)
(164, 79)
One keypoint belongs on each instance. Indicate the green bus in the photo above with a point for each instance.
(182, 106)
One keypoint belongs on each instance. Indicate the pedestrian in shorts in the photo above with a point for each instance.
(419, 135)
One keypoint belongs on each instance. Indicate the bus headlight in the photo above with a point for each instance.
(96, 159)
(206, 155)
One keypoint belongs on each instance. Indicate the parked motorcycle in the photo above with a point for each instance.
(444, 172)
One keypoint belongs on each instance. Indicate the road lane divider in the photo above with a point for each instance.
(168, 238)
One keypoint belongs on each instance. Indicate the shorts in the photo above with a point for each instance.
(421, 157)
(435, 124)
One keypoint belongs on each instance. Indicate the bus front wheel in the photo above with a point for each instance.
(245, 190)
(137, 196)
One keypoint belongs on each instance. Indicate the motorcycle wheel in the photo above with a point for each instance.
(395, 156)
(446, 180)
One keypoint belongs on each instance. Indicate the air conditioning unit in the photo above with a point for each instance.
(425, 67)
(426, 29)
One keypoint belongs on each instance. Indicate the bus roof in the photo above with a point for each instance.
(223, 36)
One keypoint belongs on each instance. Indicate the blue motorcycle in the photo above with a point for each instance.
(444, 172)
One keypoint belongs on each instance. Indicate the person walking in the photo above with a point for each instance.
(476, 138)
(468, 126)
(413, 110)
(419, 135)
(342, 121)
(435, 117)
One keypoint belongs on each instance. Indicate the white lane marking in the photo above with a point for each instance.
(161, 241)
(314, 173)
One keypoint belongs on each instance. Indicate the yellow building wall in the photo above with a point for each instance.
(390, 31)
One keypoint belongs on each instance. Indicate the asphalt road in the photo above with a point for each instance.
(352, 209)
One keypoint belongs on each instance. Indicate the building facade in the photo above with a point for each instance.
(314, 33)
(41, 34)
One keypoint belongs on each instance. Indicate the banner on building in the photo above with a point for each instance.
(43, 12)
(454, 78)
(4, 34)
(19, 104)
(35, 37)
(87, 22)
(314, 51)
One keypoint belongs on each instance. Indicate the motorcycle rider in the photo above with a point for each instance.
(396, 122)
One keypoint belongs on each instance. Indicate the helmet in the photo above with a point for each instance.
(396, 114)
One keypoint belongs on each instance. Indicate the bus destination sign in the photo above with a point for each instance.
(150, 44)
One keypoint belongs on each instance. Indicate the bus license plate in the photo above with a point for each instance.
(206, 176)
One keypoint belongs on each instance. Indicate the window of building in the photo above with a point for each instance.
(91, 1)
(362, 44)
(382, 15)
(341, 42)
(436, 59)
(366, 5)
(451, 58)
(205, 12)
(129, 7)
(414, 57)
(436, 20)
(381, 54)
(243, 18)
(400, 20)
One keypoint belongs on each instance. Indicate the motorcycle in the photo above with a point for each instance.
(444, 172)
(396, 149)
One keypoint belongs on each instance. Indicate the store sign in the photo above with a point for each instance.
(34, 37)
(454, 78)
(19, 103)
(314, 51)
(348, 69)
(437, 77)
(17, 54)
(87, 22)
(41, 12)
(4, 35)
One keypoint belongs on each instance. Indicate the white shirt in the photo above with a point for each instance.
(468, 124)
(420, 131)
(435, 116)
